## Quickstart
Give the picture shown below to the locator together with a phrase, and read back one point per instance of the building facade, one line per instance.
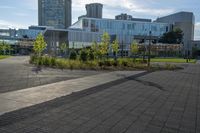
(94, 10)
(21, 40)
(88, 30)
(185, 21)
(55, 13)
(126, 29)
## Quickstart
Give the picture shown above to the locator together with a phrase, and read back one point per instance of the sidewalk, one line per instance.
(16, 100)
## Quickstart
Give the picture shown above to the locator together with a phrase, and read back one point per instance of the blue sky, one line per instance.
(22, 13)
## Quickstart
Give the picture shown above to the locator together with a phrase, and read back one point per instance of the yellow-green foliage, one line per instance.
(95, 49)
(115, 46)
(105, 41)
(4, 47)
(109, 64)
(39, 44)
(134, 48)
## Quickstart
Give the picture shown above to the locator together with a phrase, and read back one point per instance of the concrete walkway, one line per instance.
(16, 100)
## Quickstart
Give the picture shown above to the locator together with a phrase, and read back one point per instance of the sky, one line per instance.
(23, 13)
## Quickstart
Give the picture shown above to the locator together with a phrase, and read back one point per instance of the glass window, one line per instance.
(85, 23)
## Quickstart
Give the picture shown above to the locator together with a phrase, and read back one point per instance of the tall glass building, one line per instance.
(55, 13)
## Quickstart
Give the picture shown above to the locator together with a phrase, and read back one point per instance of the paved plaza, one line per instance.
(16, 74)
(156, 102)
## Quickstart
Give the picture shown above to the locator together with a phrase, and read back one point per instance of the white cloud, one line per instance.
(6, 25)
(129, 5)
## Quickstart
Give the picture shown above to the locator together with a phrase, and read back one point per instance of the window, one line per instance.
(85, 23)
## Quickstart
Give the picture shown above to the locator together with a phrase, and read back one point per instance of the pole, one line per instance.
(149, 53)
(187, 53)
(122, 49)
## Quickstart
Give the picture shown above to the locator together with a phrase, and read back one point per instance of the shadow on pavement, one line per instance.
(20, 115)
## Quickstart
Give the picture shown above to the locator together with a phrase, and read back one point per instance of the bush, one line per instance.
(84, 55)
(122, 62)
(47, 61)
(75, 64)
(91, 55)
(73, 55)
(33, 59)
(109, 64)
(93, 65)
(61, 63)
(53, 62)
(39, 61)
(170, 67)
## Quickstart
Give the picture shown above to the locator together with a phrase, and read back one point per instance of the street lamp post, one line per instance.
(122, 55)
(149, 53)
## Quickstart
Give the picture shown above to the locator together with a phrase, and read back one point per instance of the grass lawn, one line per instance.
(3, 56)
(172, 60)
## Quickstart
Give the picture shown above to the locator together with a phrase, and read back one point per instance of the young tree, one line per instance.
(175, 36)
(1, 48)
(4, 47)
(134, 49)
(9, 48)
(39, 45)
(115, 48)
(105, 41)
(95, 49)
(64, 48)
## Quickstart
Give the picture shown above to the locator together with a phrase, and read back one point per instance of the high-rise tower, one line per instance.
(94, 10)
(55, 13)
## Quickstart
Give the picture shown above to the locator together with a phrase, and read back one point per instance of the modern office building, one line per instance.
(55, 13)
(21, 40)
(125, 16)
(94, 10)
(125, 28)
(87, 30)
(185, 21)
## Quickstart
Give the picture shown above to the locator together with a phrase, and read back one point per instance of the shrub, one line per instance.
(75, 64)
(33, 59)
(84, 55)
(39, 61)
(53, 62)
(47, 61)
(109, 62)
(93, 65)
(170, 66)
(61, 63)
(73, 55)
(91, 55)
(122, 62)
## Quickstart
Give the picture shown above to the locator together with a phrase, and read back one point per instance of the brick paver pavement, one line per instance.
(158, 102)
(16, 74)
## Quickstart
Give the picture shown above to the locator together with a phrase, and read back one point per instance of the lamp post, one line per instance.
(149, 52)
(122, 49)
